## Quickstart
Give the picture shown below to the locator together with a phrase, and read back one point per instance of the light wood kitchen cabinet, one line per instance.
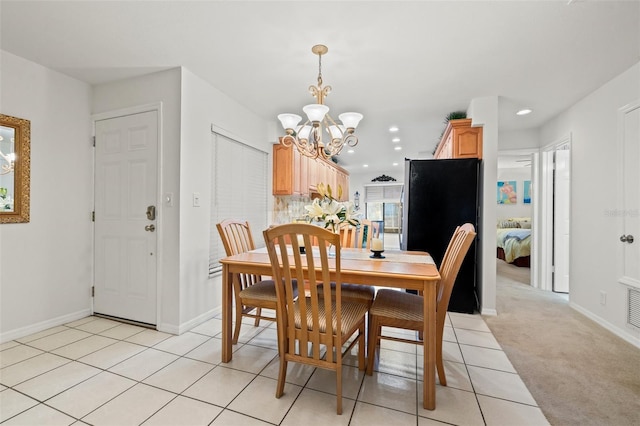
(283, 170)
(460, 140)
(315, 174)
(342, 179)
(304, 173)
(296, 174)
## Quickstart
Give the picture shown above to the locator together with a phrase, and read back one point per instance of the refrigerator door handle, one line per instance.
(400, 230)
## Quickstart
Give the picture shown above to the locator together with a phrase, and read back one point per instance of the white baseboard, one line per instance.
(168, 328)
(490, 312)
(54, 322)
(50, 323)
(612, 328)
(186, 326)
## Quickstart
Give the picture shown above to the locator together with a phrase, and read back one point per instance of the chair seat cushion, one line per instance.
(264, 290)
(398, 304)
(355, 292)
(352, 314)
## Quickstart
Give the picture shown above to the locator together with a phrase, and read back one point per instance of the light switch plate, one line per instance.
(196, 199)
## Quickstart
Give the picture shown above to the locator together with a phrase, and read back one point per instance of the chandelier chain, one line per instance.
(320, 70)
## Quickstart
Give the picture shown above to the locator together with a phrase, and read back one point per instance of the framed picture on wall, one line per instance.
(507, 192)
(526, 198)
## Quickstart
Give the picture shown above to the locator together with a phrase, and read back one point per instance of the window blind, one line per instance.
(385, 193)
(239, 191)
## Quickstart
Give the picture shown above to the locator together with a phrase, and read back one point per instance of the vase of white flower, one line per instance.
(329, 211)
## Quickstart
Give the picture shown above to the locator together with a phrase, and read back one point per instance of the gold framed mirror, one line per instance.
(15, 165)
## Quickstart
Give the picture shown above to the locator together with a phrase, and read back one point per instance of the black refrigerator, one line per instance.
(438, 196)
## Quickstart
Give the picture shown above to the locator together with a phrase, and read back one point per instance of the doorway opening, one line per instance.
(383, 207)
(515, 219)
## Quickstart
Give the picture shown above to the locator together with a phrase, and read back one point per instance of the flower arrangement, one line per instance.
(330, 211)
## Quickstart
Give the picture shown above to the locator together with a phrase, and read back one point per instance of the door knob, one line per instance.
(150, 228)
(626, 238)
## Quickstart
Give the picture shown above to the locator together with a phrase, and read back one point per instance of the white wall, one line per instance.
(593, 125)
(59, 236)
(189, 107)
(160, 87)
(520, 174)
(524, 139)
(202, 106)
(45, 265)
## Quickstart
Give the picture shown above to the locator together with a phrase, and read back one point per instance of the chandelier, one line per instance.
(9, 159)
(307, 137)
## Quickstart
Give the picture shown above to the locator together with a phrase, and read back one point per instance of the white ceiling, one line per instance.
(399, 63)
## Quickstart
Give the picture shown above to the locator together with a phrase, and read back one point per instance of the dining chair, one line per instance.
(393, 308)
(357, 236)
(313, 330)
(349, 237)
(250, 291)
(365, 233)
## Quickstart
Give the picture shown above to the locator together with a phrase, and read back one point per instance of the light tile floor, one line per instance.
(101, 372)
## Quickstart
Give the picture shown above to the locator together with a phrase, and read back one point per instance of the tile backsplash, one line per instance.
(287, 208)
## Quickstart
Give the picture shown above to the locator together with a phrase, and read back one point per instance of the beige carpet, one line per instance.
(577, 371)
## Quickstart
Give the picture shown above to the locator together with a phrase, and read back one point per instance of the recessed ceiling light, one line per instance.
(395, 140)
(350, 151)
(395, 164)
(524, 111)
(397, 148)
(365, 165)
(393, 129)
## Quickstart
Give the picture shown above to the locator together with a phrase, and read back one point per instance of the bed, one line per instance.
(513, 239)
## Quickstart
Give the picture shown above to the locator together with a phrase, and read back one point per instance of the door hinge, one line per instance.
(93, 216)
(93, 141)
(93, 291)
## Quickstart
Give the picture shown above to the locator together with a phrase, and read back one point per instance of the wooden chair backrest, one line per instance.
(303, 336)
(456, 251)
(356, 236)
(348, 235)
(236, 238)
(365, 234)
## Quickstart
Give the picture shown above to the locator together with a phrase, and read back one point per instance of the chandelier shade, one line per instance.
(336, 132)
(304, 132)
(315, 112)
(308, 137)
(289, 121)
(350, 120)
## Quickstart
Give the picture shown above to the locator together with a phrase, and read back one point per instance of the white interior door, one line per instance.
(630, 202)
(544, 254)
(126, 184)
(552, 209)
(561, 219)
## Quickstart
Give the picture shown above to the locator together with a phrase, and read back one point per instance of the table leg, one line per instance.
(227, 280)
(429, 342)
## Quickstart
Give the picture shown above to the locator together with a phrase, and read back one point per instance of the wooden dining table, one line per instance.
(400, 269)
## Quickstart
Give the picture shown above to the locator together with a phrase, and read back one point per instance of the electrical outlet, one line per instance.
(603, 297)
